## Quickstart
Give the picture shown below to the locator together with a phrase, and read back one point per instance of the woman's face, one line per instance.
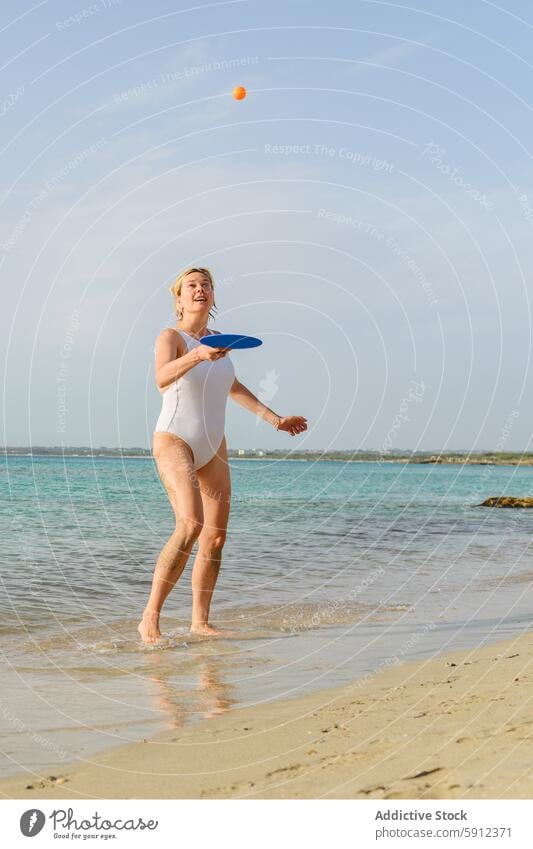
(197, 296)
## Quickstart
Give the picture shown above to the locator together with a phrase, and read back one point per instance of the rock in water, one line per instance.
(506, 501)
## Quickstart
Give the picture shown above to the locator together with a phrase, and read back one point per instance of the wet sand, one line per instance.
(458, 725)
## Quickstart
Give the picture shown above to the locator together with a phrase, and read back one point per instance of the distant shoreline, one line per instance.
(429, 458)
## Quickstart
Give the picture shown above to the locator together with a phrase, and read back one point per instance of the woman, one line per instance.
(189, 447)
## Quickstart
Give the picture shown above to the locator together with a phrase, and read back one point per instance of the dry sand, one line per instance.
(458, 725)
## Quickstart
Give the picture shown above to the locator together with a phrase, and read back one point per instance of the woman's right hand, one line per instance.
(206, 352)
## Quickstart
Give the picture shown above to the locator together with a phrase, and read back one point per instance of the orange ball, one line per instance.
(239, 92)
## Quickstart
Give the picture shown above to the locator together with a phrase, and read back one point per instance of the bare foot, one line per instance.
(148, 627)
(202, 629)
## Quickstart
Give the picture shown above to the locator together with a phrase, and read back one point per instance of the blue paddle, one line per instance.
(230, 340)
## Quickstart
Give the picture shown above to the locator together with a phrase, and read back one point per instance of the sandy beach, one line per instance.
(457, 725)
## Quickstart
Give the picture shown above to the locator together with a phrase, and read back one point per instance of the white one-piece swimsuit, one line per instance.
(194, 406)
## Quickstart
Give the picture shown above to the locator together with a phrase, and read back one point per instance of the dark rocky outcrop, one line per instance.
(506, 501)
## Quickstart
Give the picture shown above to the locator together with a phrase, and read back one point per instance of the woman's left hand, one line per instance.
(292, 424)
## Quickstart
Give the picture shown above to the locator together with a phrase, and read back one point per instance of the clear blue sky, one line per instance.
(367, 210)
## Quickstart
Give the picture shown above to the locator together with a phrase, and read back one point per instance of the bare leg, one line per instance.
(174, 464)
(204, 578)
(215, 489)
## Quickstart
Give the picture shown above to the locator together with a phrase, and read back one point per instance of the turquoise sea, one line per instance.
(331, 571)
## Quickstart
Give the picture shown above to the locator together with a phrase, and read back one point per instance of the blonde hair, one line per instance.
(175, 289)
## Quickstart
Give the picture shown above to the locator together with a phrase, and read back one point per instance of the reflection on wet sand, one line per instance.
(208, 696)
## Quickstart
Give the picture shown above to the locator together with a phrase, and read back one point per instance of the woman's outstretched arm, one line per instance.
(242, 395)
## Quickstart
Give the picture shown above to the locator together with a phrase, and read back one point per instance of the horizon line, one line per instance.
(395, 451)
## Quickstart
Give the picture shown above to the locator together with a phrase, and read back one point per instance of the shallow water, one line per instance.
(330, 571)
